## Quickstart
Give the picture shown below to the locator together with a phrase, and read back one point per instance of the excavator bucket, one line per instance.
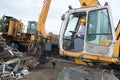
(42, 18)
(88, 3)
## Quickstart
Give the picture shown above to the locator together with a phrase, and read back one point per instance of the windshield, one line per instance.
(71, 25)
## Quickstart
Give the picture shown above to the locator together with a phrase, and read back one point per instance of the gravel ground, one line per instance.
(47, 72)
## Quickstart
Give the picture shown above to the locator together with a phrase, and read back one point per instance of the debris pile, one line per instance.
(12, 62)
(85, 73)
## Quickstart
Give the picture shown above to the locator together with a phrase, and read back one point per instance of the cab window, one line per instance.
(98, 27)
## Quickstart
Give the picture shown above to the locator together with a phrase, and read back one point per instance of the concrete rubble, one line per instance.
(85, 73)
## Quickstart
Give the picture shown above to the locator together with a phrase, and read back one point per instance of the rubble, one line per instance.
(15, 65)
(11, 63)
(85, 73)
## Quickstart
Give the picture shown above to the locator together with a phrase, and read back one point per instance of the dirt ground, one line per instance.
(47, 72)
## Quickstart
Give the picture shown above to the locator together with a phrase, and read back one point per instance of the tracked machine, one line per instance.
(101, 43)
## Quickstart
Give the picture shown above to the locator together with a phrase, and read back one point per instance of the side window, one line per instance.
(71, 25)
(99, 29)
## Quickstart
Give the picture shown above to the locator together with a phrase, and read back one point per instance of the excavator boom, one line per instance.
(117, 31)
(42, 18)
(88, 3)
(117, 43)
(44, 13)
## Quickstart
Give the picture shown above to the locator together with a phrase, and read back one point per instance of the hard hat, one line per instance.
(83, 20)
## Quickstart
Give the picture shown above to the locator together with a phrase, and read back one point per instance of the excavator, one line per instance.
(11, 26)
(100, 46)
(101, 42)
(12, 30)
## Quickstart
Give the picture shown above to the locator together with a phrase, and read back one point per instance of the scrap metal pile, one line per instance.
(12, 62)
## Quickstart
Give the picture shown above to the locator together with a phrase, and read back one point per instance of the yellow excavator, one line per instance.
(101, 41)
(12, 31)
(11, 26)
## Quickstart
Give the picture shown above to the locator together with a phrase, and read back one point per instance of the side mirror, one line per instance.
(63, 17)
(70, 7)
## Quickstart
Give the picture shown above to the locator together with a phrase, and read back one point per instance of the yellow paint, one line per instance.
(42, 18)
(105, 42)
(72, 54)
(89, 3)
(116, 49)
(117, 32)
(11, 28)
(19, 27)
(78, 61)
(32, 37)
(100, 58)
(89, 56)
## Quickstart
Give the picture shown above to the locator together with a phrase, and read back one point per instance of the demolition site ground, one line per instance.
(47, 72)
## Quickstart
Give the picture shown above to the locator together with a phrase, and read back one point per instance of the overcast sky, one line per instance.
(29, 10)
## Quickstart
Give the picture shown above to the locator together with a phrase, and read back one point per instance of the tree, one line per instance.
(50, 33)
(1, 23)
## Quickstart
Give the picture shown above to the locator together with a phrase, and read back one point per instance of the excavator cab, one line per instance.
(99, 35)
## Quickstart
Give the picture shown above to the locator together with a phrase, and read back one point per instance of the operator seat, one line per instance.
(78, 44)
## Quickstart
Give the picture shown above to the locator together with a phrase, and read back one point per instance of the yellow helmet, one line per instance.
(83, 20)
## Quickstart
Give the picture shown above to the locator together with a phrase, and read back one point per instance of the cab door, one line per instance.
(70, 26)
(100, 33)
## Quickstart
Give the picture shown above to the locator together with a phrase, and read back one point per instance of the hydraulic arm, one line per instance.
(42, 18)
(44, 13)
(117, 31)
(88, 3)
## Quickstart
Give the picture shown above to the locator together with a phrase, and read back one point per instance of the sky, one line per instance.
(29, 10)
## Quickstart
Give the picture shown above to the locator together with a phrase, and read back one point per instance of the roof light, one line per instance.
(106, 4)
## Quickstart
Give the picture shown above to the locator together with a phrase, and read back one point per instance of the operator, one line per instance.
(80, 33)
